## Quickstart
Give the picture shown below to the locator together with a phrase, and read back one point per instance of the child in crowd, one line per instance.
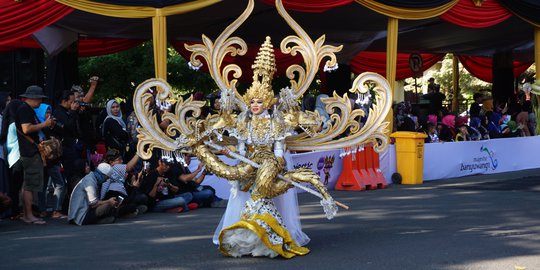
(432, 136)
(462, 134)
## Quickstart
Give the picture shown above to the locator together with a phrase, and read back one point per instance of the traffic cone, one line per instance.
(363, 161)
(374, 168)
(350, 178)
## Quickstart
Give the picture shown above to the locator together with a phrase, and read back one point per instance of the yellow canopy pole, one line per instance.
(455, 83)
(537, 48)
(159, 40)
(391, 62)
(536, 85)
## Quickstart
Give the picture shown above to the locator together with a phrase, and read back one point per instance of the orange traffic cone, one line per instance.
(350, 178)
(374, 167)
(363, 159)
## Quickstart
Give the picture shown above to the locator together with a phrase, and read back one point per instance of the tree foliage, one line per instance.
(468, 84)
(123, 71)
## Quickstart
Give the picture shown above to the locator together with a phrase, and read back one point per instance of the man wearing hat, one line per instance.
(84, 205)
(28, 131)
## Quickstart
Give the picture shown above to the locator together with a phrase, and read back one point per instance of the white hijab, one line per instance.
(110, 114)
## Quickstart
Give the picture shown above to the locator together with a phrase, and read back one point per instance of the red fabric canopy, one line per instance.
(310, 5)
(26, 42)
(282, 60)
(376, 62)
(103, 46)
(87, 46)
(466, 14)
(21, 19)
(481, 67)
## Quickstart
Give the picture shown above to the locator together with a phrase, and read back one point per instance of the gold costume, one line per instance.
(265, 127)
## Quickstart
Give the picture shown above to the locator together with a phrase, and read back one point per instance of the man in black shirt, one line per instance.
(162, 187)
(435, 97)
(28, 128)
(474, 110)
(67, 131)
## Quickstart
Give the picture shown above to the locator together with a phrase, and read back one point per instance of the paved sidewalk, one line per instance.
(488, 222)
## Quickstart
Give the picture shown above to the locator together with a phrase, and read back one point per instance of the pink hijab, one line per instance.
(432, 119)
(449, 120)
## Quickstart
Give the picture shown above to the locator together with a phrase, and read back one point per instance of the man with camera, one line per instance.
(28, 130)
(84, 118)
(67, 131)
(161, 187)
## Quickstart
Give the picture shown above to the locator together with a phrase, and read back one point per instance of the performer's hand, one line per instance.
(201, 165)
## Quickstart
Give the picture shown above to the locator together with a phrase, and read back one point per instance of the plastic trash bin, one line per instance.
(410, 156)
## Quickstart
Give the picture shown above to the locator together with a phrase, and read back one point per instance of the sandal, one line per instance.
(17, 217)
(34, 222)
(58, 215)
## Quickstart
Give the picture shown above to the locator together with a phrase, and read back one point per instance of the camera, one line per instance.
(84, 104)
(166, 180)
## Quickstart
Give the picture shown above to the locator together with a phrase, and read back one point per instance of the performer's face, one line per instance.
(256, 106)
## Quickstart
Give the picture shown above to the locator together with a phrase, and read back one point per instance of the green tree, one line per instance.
(123, 71)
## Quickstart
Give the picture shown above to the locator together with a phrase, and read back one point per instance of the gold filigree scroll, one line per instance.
(150, 134)
(214, 53)
(346, 120)
(312, 53)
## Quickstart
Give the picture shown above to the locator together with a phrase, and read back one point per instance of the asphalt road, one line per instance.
(478, 223)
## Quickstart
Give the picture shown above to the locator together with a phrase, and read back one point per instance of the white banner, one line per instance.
(456, 159)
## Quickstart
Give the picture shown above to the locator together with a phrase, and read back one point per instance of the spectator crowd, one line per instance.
(483, 121)
(98, 177)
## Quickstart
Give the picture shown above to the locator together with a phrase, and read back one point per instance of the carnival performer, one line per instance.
(261, 230)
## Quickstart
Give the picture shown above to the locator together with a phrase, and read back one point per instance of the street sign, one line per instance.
(416, 63)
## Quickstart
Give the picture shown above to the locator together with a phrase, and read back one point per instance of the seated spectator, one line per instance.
(161, 187)
(478, 131)
(85, 206)
(203, 195)
(448, 132)
(321, 108)
(404, 120)
(463, 134)
(503, 122)
(511, 130)
(492, 129)
(115, 186)
(432, 135)
(522, 120)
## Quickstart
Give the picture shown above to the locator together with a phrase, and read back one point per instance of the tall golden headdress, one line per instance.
(264, 68)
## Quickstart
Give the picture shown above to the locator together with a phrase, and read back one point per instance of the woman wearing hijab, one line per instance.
(448, 131)
(114, 128)
(57, 181)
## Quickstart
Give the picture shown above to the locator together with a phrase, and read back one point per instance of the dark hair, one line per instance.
(308, 102)
(477, 95)
(3, 99)
(111, 155)
(66, 95)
